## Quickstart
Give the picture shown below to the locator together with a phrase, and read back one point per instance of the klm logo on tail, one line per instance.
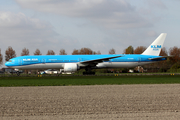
(156, 47)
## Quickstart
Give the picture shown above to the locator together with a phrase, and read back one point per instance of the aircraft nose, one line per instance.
(7, 64)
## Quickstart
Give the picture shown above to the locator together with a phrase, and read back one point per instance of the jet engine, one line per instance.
(70, 67)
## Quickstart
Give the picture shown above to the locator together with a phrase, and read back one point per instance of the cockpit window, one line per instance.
(10, 60)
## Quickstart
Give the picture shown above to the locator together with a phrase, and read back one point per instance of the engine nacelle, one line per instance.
(71, 67)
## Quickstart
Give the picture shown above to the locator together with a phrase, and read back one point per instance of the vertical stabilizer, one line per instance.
(155, 47)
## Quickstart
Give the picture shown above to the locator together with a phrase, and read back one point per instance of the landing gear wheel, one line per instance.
(18, 73)
(88, 73)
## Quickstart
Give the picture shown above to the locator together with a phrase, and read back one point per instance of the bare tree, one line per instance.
(62, 52)
(176, 52)
(163, 52)
(129, 50)
(98, 52)
(1, 58)
(84, 51)
(25, 52)
(10, 53)
(112, 51)
(139, 50)
(37, 52)
(50, 52)
(75, 52)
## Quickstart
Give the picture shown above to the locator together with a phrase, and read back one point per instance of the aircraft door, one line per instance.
(139, 60)
(110, 61)
(43, 60)
(20, 61)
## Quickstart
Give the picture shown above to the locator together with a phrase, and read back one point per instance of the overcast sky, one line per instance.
(97, 24)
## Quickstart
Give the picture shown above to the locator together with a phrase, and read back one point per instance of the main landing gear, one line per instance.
(88, 72)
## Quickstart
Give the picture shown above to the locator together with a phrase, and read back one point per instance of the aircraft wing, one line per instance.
(160, 57)
(99, 60)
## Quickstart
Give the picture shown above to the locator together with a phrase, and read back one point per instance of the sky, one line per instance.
(96, 24)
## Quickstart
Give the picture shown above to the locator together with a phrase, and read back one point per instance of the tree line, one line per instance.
(10, 52)
(175, 51)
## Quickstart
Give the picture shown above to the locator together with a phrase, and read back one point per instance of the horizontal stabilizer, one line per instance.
(161, 57)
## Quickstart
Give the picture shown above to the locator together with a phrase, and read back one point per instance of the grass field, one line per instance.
(87, 80)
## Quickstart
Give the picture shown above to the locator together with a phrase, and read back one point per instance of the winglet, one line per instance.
(155, 47)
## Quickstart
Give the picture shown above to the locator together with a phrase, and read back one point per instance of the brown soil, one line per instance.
(106, 102)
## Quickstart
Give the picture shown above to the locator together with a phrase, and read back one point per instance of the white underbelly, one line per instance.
(121, 64)
(41, 66)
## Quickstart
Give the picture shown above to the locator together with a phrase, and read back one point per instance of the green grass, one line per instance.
(87, 80)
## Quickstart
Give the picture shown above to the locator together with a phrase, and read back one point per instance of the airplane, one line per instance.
(73, 63)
